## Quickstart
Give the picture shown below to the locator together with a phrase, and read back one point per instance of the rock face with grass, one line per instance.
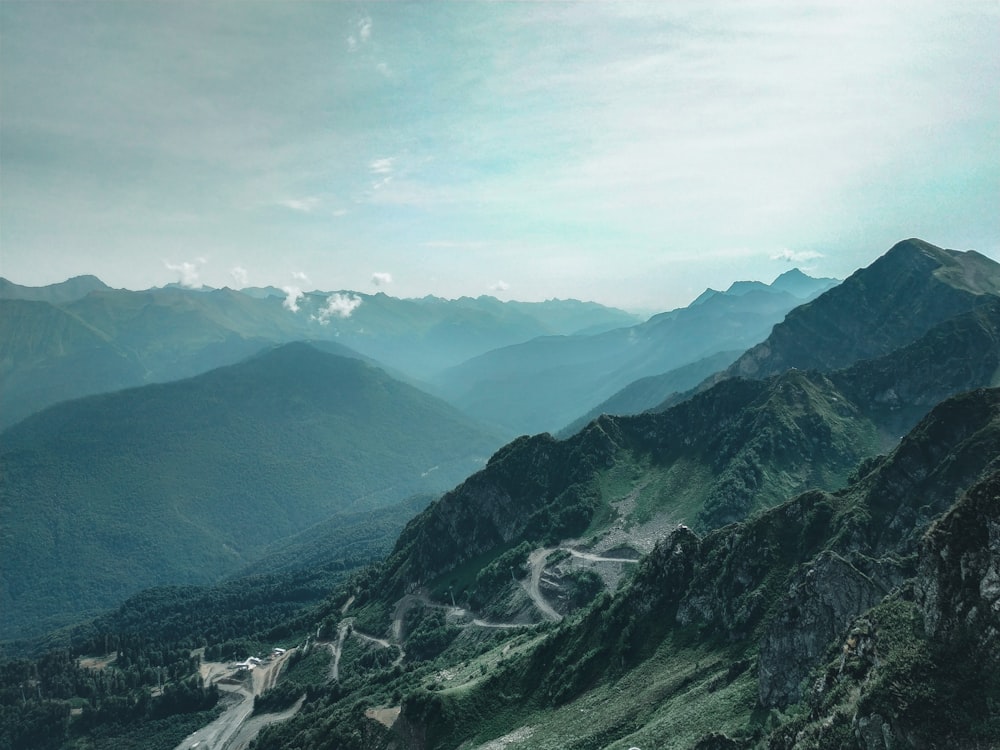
(741, 446)
(802, 586)
(958, 581)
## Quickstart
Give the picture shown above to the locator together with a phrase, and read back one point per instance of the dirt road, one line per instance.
(338, 648)
(537, 562)
(227, 732)
(598, 558)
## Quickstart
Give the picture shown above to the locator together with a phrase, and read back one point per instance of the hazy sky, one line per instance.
(632, 153)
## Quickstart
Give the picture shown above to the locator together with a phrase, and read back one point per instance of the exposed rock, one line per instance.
(823, 599)
(958, 583)
(873, 732)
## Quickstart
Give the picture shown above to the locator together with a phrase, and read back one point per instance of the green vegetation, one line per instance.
(188, 482)
(826, 597)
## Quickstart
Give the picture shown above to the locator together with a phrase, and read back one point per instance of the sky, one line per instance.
(628, 153)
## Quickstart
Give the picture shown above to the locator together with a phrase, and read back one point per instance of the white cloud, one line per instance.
(240, 275)
(796, 256)
(380, 278)
(302, 205)
(361, 34)
(300, 276)
(292, 296)
(187, 271)
(337, 305)
(500, 286)
(382, 166)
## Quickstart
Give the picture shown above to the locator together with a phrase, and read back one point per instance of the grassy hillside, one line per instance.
(824, 622)
(186, 482)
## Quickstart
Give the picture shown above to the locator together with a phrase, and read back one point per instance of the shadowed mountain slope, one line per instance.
(188, 481)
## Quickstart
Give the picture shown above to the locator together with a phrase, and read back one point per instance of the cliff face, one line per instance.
(823, 598)
(921, 669)
(958, 583)
(874, 538)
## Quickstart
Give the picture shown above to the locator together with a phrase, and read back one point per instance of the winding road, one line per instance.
(536, 560)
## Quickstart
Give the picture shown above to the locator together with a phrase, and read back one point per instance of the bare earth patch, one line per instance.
(384, 716)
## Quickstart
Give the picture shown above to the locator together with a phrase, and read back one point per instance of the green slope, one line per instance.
(188, 481)
(716, 640)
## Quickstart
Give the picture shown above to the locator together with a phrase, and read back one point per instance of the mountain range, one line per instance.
(80, 337)
(546, 383)
(797, 552)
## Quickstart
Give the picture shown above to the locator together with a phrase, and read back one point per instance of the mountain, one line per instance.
(189, 481)
(63, 292)
(831, 621)
(793, 282)
(48, 354)
(803, 560)
(58, 341)
(892, 302)
(650, 392)
(544, 384)
(800, 285)
(735, 449)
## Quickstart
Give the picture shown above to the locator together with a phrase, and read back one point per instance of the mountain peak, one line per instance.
(889, 304)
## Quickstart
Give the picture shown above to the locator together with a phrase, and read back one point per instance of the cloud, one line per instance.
(188, 271)
(337, 305)
(302, 205)
(292, 296)
(382, 166)
(380, 278)
(499, 286)
(240, 275)
(300, 276)
(382, 169)
(796, 256)
(361, 34)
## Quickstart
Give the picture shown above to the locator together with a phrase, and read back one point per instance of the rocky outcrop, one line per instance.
(824, 597)
(958, 583)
